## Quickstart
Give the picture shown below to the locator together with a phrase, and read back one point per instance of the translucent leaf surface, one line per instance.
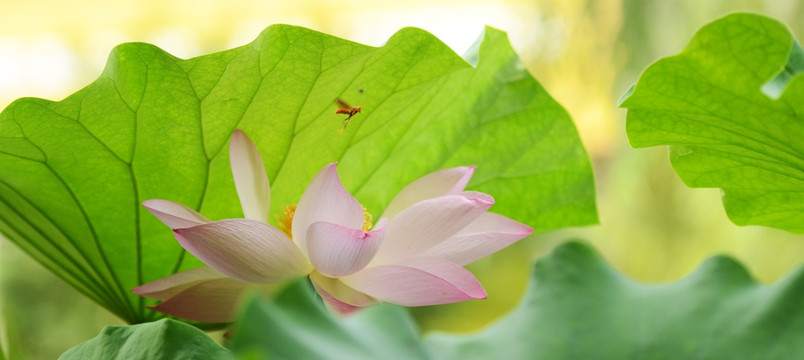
(74, 172)
(576, 307)
(731, 106)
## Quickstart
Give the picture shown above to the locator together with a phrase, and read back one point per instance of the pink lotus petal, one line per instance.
(486, 235)
(427, 223)
(247, 250)
(338, 296)
(174, 215)
(473, 194)
(325, 199)
(166, 287)
(418, 282)
(213, 301)
(442, 182)
(337, 250)
(250, 180)
(333, 304)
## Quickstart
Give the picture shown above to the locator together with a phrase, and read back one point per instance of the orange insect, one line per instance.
(344, 108)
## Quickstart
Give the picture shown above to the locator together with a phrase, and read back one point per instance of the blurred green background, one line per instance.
(585, 53)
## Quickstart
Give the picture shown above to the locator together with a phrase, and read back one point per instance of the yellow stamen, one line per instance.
(285, 221)
(366, 220)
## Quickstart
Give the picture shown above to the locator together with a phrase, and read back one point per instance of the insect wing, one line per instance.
(342, 104)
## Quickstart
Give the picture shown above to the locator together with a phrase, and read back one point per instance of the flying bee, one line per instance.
(345, 108)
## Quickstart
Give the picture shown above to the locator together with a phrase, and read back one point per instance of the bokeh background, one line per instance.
(586, 53)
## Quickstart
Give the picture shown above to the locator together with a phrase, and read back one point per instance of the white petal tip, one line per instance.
(381, 224)
(483, 199)
(482, 295)
(469, 170)
(174, 215)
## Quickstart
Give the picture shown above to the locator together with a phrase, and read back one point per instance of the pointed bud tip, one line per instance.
(482, 199)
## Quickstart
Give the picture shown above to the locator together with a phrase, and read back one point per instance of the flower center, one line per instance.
(366, 220)
(286, 220)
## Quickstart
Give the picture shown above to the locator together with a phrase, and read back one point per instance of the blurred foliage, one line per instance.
(296, 325)
(575, 307)
(163, 339)
(42, 315)
(585, 53)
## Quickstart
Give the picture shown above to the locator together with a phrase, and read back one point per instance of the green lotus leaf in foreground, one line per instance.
(163, 339)
(731, 107)
(74, 172)
(576, 307)
(296, 325)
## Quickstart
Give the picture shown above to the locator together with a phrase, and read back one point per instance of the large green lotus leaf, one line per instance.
(164, 339)
(576, 307)
(731, 105)
(74, 172)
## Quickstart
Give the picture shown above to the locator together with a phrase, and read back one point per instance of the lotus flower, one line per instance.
(413, 256)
